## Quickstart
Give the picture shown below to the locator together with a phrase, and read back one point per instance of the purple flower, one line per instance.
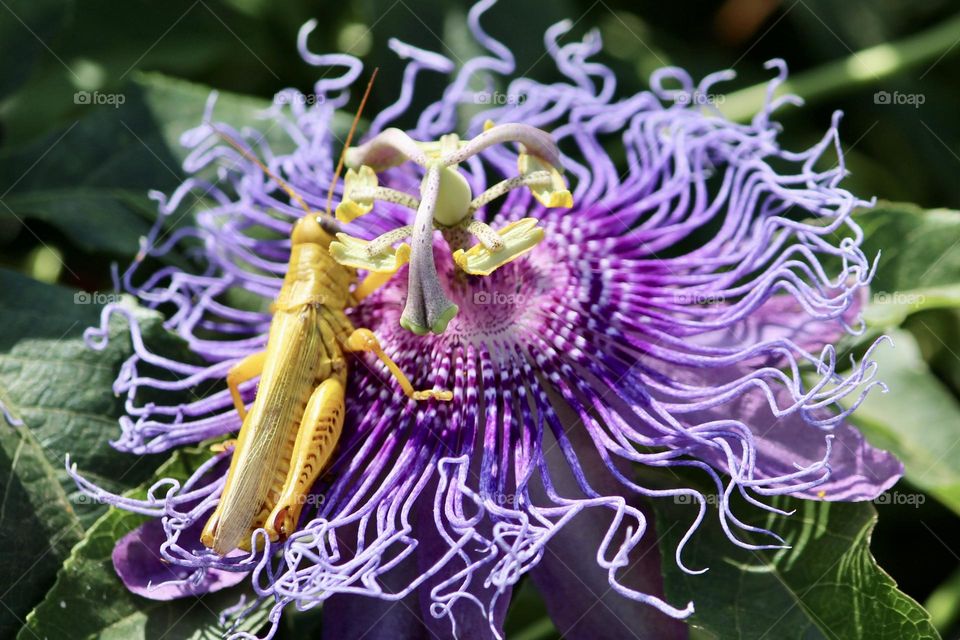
(682, 314)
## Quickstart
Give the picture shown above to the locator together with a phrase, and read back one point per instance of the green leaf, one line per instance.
(88, 600)
(90, 180)
(827, 585)
(527, 617)
(42, 358)
(25, 30)
(944, 603)
(37, 524)
(920, 260)
(178, 105)
(916, 420)
(76, 211)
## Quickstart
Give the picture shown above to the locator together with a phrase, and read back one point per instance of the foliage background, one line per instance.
(74, 177)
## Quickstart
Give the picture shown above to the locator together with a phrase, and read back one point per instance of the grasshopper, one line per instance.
(291, 430)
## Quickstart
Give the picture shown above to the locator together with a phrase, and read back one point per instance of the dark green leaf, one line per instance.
(827, 586)
(920, 260)
(90, 180)
(62, 388)
(26, 26)
(37, 524)
(916, 420)
(88, 600)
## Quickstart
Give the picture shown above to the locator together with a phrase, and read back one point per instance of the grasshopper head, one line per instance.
(307, 230)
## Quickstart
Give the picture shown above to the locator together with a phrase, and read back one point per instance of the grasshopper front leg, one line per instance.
(246, 369)
(365, 340)
(316, 440)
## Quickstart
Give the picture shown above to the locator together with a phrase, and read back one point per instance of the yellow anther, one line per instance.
(518, 238)
(554, 194)
(354, 252)
(354, 205)
(225, 445)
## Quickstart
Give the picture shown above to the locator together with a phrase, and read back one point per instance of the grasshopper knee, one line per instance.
(283, 521)
(362, 340)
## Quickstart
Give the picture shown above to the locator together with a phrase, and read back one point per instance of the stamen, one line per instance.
(535, 179)
(361, 188)
(485, 234)
(386, 194)
(354, 252)
(354, 204)
(446, 205)
(383, 242)
(554, 193)
(516, 239)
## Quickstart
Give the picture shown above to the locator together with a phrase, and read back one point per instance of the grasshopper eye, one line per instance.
(307, 230)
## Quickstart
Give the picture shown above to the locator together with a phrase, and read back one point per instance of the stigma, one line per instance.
(446, 204)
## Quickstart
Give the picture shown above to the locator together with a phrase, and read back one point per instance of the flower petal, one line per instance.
(780, 318)
(857, 470)
(349, 617)
(580, 598)
(137, 561)
(577, 593)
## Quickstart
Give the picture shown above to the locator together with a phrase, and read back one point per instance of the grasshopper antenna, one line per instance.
(353, 128)
(327, 221)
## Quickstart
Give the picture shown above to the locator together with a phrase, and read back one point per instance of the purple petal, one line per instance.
(857, 470)
(137, 561)
(578, 595)
(347, 616)
(782, 318)
(350, 617)
(464, 606)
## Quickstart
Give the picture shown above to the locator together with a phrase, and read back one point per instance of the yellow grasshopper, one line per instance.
(292, 428)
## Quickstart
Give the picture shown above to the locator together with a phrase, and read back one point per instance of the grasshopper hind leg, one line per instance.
(316, 440)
